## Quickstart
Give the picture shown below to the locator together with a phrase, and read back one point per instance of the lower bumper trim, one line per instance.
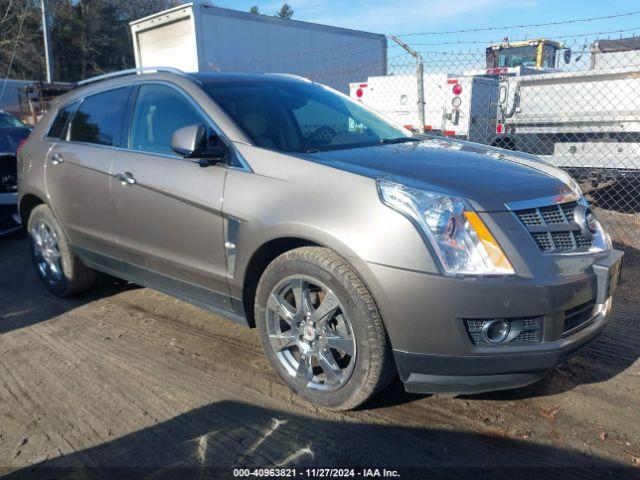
(470, 384)
(424, 373)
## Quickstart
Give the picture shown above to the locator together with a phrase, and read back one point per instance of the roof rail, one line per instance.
(289, 75)
(131, 71)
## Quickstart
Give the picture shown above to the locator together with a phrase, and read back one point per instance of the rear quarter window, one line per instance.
(58, 128)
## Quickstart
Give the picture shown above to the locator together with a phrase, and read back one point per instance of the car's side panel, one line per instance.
(170, 221)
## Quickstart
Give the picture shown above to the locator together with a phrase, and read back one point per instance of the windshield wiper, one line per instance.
(348, 146)
(386, 141)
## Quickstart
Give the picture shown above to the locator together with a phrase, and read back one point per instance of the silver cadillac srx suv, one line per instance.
(359, 250)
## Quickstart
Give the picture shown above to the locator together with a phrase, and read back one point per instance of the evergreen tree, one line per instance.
(285, 11)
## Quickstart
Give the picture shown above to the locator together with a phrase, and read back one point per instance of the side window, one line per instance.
(159, 111)
(99, 118)
(58, 128)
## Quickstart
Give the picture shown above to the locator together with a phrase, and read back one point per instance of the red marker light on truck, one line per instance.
(457, 89)
(359, 93)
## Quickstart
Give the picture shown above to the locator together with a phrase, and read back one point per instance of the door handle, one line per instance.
(126, 178)
(56, 159)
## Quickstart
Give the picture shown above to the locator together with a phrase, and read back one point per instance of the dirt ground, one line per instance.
(127, 377)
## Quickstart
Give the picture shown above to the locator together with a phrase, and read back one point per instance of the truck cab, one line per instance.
(537, 54)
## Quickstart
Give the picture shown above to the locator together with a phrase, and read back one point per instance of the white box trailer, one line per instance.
(396, 98)
(470, 107)
(458, 106)
(199, 37)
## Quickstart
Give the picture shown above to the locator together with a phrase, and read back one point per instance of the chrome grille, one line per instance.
(563, 241)
(552, 214)
(545, 224)
(530, 217)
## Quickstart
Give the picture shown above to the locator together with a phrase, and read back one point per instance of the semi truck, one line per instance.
(197, 37)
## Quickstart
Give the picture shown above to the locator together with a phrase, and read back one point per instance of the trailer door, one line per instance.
(170, 44)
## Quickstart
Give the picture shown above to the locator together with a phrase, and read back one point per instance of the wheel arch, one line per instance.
(261, 258)
(28, 202)
(295, 236)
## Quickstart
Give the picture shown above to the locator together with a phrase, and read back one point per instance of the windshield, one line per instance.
(7, 120)
(517, 56)
(301, 117)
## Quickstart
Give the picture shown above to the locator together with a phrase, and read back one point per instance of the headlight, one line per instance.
(459, 237)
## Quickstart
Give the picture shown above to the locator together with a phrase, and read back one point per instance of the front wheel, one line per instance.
(321, 329)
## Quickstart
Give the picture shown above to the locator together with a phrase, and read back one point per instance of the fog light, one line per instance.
(504, 331)
(496, 331)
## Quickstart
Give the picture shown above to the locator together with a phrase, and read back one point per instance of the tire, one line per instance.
(59, 268)
(342, 328)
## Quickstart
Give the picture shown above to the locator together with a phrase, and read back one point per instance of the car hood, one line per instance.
(488, 177)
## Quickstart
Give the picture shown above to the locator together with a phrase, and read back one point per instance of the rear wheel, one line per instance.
(62, 272)
(321, 329)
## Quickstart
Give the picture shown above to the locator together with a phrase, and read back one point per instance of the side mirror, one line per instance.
(567, 55)
(192, 143)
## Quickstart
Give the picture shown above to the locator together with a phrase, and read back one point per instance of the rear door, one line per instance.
(78, 169)
(168, 209)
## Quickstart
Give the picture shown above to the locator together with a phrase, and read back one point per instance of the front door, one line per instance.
(168, 209)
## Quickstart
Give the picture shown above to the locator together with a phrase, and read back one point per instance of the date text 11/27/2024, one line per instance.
(316, 473)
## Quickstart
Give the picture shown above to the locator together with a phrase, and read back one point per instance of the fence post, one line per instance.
(419, 79)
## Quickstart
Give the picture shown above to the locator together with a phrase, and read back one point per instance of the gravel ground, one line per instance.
(128, 377)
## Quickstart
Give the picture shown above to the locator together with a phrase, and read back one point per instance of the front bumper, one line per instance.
(425, 318)
(9, 218)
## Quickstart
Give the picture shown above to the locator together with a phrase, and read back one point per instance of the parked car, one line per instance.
(12, 132)
(358, 250)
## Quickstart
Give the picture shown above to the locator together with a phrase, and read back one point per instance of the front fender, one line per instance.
(320, 204)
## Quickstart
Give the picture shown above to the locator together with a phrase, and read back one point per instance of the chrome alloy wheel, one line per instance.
(311, 333)
(46, 253)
